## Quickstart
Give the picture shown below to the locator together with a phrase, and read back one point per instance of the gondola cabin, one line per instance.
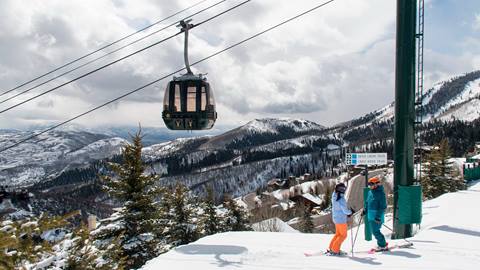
(189, 104)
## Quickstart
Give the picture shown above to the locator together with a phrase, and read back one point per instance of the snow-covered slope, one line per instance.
(272, 125)
(465, 106)
(448, 239)
(282, 128)
(275, 129)
(243, 159)
(455, 99)
(50, 154)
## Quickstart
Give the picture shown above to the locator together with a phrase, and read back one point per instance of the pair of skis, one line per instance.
(395, 246)
(321, 253)
(371, 251)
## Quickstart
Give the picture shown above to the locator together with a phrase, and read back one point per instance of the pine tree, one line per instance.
(236, 218)
(326, 202)
(178, 217)
(440, 174)
(210, 221)
(306, 220)
(134, 224)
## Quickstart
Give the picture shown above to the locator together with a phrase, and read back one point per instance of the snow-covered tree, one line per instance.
(32, 241)
(83, 255)
(306, 220)
(134, 223)
(209, 220)
(179, 217)
(440, 176)
(236, 217)
(327, 202)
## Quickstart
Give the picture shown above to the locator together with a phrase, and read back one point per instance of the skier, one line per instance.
(376, 205)
(340, 213)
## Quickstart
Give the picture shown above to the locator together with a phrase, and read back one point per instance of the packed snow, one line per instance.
(448, 239)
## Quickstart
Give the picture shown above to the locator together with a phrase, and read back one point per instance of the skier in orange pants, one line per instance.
(340, 213)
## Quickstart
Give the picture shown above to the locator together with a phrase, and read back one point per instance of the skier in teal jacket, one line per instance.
(376, 205)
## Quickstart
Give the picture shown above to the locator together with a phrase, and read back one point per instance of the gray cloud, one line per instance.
(52, 33)
(294, 107)
(46, 103)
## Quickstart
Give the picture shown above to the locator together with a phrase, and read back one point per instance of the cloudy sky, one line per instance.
(330, 66)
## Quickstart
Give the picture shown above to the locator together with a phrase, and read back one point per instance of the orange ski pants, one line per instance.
(340, 236)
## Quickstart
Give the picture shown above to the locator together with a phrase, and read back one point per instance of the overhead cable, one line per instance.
(118, 60)
(166, 76)
(101, 48)
(109, 53)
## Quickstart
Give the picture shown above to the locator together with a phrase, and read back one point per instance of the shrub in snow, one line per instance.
(29, 242)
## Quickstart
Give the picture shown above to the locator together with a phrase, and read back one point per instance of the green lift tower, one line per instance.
(407, 192)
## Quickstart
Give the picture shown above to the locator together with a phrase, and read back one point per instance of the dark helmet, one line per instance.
(340, 188)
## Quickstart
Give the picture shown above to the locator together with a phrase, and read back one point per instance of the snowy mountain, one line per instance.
(446, 240)
(153, 135)
(256, 132)
(50, 154)
(457, 98)
(243, 159)
(449, 108)
(260, 131)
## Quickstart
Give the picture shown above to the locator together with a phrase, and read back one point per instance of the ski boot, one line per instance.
(380, 249)
(332, 253)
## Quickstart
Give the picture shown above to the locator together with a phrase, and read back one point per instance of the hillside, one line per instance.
(51, 154)
(455, 99)
(450, 108)
(243, 159)
(447, 240)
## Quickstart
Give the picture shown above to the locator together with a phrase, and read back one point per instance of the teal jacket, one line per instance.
(376, 204)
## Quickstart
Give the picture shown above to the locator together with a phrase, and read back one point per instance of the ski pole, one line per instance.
(351, 228)
(356, 234)
(351, 234)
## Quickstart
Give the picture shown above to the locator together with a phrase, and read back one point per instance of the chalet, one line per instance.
(267, 199)
(276, 184)
(307, 199)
